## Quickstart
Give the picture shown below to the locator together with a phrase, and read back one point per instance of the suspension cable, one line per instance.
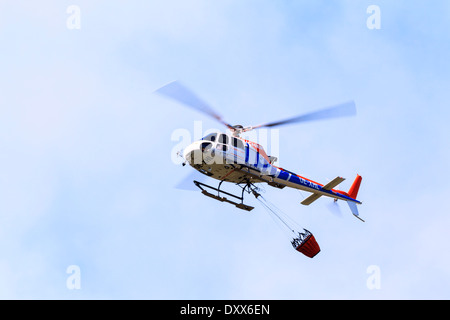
(264, 202)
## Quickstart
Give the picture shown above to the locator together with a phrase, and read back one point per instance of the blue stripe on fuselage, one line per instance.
(294, 179)
(247, 153)
(283, 175)
(304, 182)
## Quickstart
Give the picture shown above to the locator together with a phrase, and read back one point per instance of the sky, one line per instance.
(87, 177)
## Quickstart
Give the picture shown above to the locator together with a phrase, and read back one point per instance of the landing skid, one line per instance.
(248, 187)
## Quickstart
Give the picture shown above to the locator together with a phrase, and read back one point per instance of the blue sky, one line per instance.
(87, 177)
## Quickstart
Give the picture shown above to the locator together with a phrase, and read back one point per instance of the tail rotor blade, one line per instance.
(335, 208)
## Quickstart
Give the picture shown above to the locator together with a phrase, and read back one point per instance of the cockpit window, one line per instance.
(223, 139)
(238, 143)
(210, 137)
(206, 146)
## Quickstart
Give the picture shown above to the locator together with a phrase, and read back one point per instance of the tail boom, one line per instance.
(289, 179)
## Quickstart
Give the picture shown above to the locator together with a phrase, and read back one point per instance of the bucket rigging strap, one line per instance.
(266, 205)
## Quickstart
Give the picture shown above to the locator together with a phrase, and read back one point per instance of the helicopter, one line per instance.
(233, 159)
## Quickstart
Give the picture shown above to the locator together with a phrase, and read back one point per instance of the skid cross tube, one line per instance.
(199, 184)
(240, 205)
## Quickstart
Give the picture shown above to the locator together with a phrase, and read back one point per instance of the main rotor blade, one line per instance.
(176, 91)
(340, 110)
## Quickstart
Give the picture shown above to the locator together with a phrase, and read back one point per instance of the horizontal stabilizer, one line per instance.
(311, 199)
(330, 185)
(333, 183)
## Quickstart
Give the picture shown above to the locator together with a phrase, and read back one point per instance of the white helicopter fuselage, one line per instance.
(222, 157)
(236, 160)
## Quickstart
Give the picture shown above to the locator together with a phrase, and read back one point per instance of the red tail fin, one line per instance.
(353, 192)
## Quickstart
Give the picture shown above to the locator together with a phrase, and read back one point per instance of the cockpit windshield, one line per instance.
(211, 137)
